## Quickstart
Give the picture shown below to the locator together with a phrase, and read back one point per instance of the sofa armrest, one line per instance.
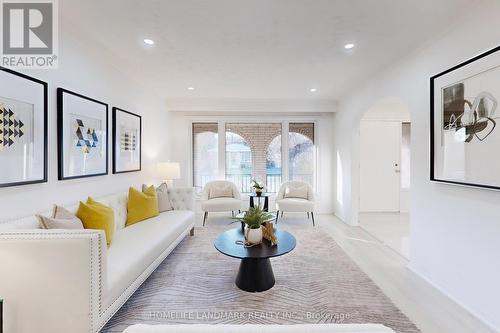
(52, 280)
(182, 198)
(310, 195)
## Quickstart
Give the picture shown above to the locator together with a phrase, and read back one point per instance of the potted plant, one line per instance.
(253, 220)
(258, 187)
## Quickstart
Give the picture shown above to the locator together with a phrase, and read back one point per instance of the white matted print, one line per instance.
(83, 133)
(465, 133)
(23, 117)
(126, 141)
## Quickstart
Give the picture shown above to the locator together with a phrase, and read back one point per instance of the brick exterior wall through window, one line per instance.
(257, 135)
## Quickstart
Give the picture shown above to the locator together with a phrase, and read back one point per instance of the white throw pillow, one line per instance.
(61, 219)
(220, 192)
(296, 192)
(164, 203)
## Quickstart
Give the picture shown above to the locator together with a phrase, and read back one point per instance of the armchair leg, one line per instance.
(308, 215)
(282, 213)
(205, 218)
(312, 215)
(191, 232)
(277, 215)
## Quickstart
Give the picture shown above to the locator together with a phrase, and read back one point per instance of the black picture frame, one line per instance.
(115, 111)
(60, 134)
(44, 86)
(432, 175)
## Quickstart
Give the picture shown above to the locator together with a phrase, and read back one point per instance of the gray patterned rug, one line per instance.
(315, 283)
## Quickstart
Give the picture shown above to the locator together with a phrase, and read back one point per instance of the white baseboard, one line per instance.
(471, 311)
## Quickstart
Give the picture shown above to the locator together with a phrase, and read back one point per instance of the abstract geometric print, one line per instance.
(86, 137)
(11, 129)
(128, 139)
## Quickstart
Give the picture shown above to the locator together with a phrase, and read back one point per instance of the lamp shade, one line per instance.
(169, 170)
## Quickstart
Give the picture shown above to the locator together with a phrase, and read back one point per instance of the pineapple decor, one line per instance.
(268, 233)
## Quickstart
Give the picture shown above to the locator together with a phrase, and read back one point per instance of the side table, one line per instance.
(264, 196)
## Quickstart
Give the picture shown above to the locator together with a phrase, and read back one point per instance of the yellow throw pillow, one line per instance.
(95, 215)
(141, 205)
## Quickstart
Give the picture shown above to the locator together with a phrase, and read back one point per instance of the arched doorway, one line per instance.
(384, 173)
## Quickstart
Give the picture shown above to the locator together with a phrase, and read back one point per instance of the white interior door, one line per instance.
(380, 155)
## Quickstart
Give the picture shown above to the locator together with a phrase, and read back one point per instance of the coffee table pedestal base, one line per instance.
(255, 275)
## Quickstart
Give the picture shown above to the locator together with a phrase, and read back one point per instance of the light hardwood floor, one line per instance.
(391, 229)
(428, 308)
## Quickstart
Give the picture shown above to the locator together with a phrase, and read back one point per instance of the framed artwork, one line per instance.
(127, 141)
(82, 134)
(465, 138)
(23, 129)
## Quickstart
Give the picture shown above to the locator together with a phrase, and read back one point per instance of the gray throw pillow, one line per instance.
(220, 192)
(61, 219)
(164, 203)
(299, 192)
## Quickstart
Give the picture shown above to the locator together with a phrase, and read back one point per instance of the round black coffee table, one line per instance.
(255, 273)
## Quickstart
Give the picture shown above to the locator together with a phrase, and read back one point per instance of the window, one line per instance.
(205, 153)
(301, 152)
(253, 151)
(273, 165)
(238, 161)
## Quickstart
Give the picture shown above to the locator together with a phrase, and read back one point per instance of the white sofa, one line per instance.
(60, 281)
(302, 328)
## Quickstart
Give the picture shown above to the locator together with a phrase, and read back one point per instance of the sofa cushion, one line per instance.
(141, 205)
(295, 205)
(61, 218)
(137, 246)
(221, 205)
(221, 191)
(118, 202)
(164, 203)
(95, 215)
(296, 192)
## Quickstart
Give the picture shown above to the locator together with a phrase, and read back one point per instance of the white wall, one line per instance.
(180, 139)
(87, 68)
(455, 231)
(390, 109)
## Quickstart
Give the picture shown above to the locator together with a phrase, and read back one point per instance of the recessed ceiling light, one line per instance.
(190, 88)
(313, 89)
(149, 41)
(349, 46)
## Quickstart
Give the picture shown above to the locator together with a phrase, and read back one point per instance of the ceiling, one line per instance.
(259, 49)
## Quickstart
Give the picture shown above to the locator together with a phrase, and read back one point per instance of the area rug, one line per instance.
(315, 283)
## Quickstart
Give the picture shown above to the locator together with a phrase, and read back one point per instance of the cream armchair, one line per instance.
(220, 196)
(297, 197)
